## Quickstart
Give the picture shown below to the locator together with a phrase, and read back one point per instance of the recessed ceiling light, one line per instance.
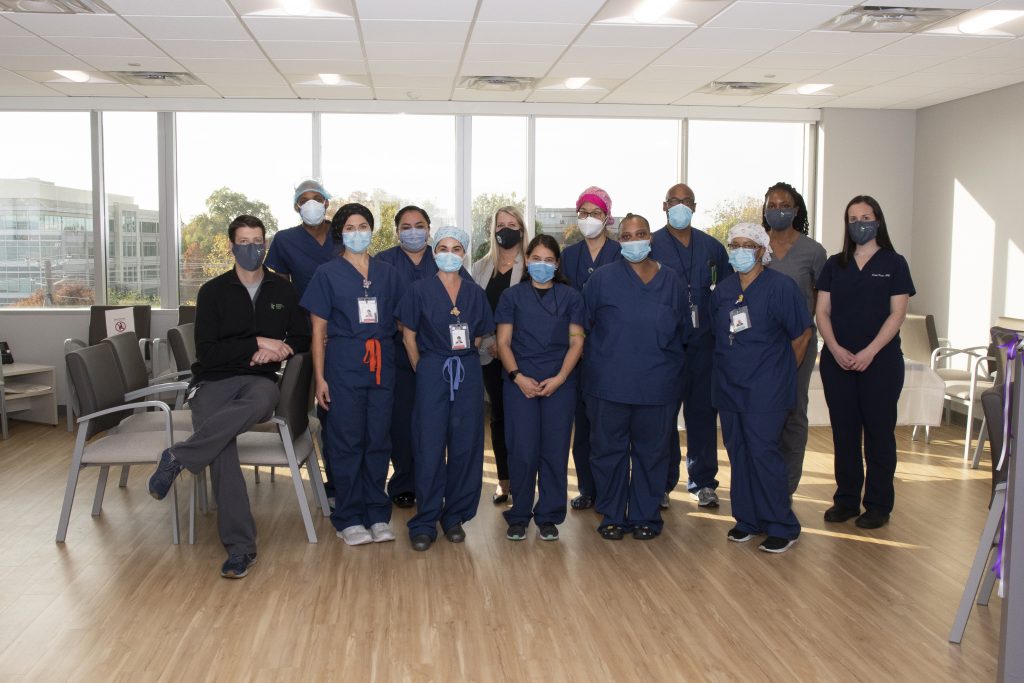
(652, 10)
(72, 75)
(56, 6)
(985, 20)
(811, 88)
(297, 8)
(499, 83)
(883, 19)
(575, 83)
(330, 79)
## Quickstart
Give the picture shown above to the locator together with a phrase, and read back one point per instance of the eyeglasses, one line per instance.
(596, 213)
(674, 201)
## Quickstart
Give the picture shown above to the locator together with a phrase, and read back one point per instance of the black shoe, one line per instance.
(547, 531)
(582, 502)
(404, 500)
(421, 542)
(776, 544)
(456, 534)
(872, 520)
(837, 513)
(167, 470)
(237, 566)
(644, 533)
(499, 498)
(516, 532)
(737, 536)
(611, 532)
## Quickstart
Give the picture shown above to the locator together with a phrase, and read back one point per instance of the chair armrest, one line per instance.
(155, 389)
(131, 406)
(945, 353)
(73, 343)
(171, 376)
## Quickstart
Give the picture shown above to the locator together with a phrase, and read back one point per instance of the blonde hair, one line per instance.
(518, 215)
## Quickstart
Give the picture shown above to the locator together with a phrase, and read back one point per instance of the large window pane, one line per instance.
(386, 161)
(132, 185)
(633, 160)
(46, 248)
(499, 172)
(230, 164)
(731, 164)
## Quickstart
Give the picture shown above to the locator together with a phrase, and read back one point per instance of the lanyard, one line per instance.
(686, 270)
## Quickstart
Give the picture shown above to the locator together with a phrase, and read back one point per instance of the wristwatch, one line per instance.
(512, 375)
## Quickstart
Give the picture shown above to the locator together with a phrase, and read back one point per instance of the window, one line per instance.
(150, 249)
(230, 164)
(499, 172)
(731, 164)
(130, 249)
(45, 209)
(386, 161)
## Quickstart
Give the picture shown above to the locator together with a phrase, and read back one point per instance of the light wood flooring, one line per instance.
(119, 602)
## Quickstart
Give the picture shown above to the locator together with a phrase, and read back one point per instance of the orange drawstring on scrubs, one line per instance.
(373, 357)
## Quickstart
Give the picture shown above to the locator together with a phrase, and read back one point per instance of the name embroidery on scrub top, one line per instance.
(367, 305)
(739, 319)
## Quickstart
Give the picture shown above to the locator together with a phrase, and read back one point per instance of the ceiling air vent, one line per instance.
(879, 19)
(167, 78)
(504, 83)
(739, 88)
(55, 6)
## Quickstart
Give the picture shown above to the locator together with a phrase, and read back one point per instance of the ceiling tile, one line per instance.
(947, 95)
(630, 97)
(750, 73)
(411, 82)
(182, 8)
(791, 101)
(637, 55)
(91, 25)
(949, 46)
(26, 45)
(191, 28)
(944, 4)
(291, 49)
(683, 56)
(853, 77)
(94, 89)
(582, 96)
(470, 95)
(770, 15)
(256, 91)
(844, 42)
(320, 66)
(414, 31)
(997, 80)
(211, 49)
(935, 79)
(976, 64)
(107, 63)
(400, 67)
(568, 11)
(619, 12)
(500, 68)
(513, 52)
(592, 70)
(254, 66)
(9, 28)
(41, 62)
(183, 91)
(737, 39)
(633, 36)
(303, 28)
(449, 10)
(670, 74)
(798, 60)
(441, 51)
(413, 94)
(701, 99)
(1006, 48)
(892, 63)
(522, 32)
(312, 92)
(240, 78)
(26, 89)
(326, 9)
(82, 46)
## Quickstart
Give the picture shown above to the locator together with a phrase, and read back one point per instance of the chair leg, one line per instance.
(300, 492)
(101, 488)
(913, 433)
(192, 508)
(69, 491)
(123, 481)
(256, 473)
(273, 476)
(969, 431)
(927, 434)
(981, 444)
(175, 522)
(317, 482)
(974, 578)
(985, 594)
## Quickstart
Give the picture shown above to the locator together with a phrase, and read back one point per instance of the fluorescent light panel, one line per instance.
(72, 75)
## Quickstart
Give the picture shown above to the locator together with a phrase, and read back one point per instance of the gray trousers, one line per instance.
(793, 441)
(221, 410)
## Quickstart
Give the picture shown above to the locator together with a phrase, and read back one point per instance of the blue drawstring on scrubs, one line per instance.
(454, 373)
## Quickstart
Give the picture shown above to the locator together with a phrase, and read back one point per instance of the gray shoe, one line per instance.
(707, 498)
(665, 502)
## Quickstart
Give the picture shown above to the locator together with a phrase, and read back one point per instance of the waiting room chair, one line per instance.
(182, 340)
(100, 389)
(186, 315)
(918, 339)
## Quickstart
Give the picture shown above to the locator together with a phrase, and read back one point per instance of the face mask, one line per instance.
(743, 259)
(590, 226)
(779, 219)
(249, 256)
(312, 212)
(508, 237)
(413, 239)
(540, 271)
(358, 241)
(863, 232)
(636, 251)
(679, 216)
(448, 262)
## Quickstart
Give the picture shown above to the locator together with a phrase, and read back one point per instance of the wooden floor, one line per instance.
(118, 601)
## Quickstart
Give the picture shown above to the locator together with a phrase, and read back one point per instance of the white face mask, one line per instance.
(590, 226)
(313, 212)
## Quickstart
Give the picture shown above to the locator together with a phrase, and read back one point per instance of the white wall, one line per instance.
(969, 213)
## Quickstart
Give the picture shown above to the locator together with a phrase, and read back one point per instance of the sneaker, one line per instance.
(872, 520)
(776, 544)
(837, 513)
(456, 534)
(330, 502)
(516, 532)
(707, 498)
(665, 502)
(547, 531)
(381, 532)
(421, 542)
(357, 534)
(404, 500)
(644, 533)
(737, 536)
(611, 532)
(167, 470)
(237, 566)
(582, 502)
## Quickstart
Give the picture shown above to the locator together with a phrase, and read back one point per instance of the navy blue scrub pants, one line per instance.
(492, 373)
(629, 458)
(448, 437)
(863, 405)
(403, 479)
(700, 419)
(759, 489)
(581, 446)
(793, 442)
(537, 431)
(325, 445)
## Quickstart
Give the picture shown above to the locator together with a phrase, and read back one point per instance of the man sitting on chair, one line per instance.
(248, 320)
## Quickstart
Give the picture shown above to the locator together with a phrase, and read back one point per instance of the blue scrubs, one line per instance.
(448, 415)
(631, 370)
(361, 384)
(578, 266)
(296, 253)
(754, 389)
(700, 265)
(862, 405)
(538, 429)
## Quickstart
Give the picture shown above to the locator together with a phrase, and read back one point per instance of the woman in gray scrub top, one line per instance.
(801, 258)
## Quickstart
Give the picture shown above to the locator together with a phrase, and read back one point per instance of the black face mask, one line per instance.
(508, 237)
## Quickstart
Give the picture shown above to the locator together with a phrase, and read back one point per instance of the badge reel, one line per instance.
(460, 336)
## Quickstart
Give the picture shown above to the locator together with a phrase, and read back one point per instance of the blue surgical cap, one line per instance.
(460, 235)
(310, 185)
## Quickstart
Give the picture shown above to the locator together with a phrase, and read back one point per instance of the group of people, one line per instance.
(598, 347)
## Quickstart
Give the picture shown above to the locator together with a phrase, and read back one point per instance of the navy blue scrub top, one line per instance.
(702, 264)
(577, 266)
(540, 325)
(756, 372)
(296, 253)
(634, 351)
(861, 298)
(427, 310)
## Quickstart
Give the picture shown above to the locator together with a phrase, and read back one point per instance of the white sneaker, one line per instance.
(355, 535)
(707, 498)
(665, 502)
(381, 532)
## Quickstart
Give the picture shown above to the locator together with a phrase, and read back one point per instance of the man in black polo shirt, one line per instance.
(248, 320)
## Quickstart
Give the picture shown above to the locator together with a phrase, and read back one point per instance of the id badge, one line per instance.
(367, 309)
(460, 336)
(694, 316)
(739, 320)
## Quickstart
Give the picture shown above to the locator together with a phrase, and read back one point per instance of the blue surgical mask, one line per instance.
(862, 232)
(779, 219)
(541, 271)
(635, 251)
(742, 259)
(249, 256)
(679, 216)
(413, 239)
(448, 262)
(357, 241)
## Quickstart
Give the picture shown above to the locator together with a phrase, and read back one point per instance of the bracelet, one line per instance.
(512, 375)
